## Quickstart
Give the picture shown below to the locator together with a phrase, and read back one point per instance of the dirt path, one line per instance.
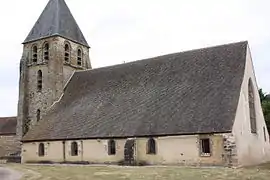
(8, 174)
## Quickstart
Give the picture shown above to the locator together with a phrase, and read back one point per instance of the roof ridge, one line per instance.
(217, 46)
(8, 117)
(57, 14)
(163, 55)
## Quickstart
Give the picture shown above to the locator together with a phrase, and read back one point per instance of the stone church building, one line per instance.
(198, 107)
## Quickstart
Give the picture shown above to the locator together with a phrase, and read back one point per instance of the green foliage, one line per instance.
(266, 112)
(266, 108)
(262, 95)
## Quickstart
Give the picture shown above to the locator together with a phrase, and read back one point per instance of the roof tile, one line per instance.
(8, 125)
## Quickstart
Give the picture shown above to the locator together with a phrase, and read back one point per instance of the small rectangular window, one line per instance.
(205, 147)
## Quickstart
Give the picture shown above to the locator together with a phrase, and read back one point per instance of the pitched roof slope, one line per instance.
(56, 19)
(183, 93)
(8, 125)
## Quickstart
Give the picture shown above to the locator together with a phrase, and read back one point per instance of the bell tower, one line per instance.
(53, 50)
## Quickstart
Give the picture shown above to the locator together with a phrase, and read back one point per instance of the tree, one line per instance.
(266, 107)
(266, 113)
(262, 95)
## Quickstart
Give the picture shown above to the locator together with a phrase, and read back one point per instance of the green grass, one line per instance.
(51, 172)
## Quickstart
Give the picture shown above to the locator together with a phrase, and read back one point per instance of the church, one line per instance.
(198, 107)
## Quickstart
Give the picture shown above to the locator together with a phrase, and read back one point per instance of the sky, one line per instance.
(126, 30)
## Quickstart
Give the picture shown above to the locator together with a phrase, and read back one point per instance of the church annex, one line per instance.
(9, 141)
(199, 107)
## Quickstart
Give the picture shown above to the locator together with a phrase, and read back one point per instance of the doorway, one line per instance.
(129, 152)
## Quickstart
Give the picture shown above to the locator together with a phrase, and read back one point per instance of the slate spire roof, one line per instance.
(189, 92)
(56, 19)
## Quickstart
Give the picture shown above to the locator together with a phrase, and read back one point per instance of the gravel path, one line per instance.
(7, 174)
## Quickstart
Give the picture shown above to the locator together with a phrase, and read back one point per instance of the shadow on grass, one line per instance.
(264, 166)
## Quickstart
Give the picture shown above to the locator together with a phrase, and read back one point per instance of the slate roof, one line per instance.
(56, 19)
(183, 93)
(8, 125)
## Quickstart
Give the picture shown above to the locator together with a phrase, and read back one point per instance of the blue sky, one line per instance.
(128, 30)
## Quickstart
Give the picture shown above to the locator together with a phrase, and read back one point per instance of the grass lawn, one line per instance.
(56, 172)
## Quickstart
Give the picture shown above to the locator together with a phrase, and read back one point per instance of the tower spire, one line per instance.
(56, 20)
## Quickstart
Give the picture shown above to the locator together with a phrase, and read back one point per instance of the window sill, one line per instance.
(37, 63)
(205, 155)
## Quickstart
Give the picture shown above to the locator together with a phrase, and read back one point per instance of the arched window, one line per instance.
(252, 110)
(79, 57)
(111, 147)
(39, 81)
(67, 52)
(38, 115)
(74, 149)
(46, 51)
(41, 149)
(34, 54)
(151, 146)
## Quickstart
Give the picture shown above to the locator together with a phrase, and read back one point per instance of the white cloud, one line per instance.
(127, 30)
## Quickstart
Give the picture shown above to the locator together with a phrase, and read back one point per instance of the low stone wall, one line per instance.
(9, 145)
(3, 161)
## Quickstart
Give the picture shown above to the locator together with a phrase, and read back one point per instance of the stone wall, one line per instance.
(55, 74)
(252, 148)
(230, 150)
(9, 145)
(171, 150)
